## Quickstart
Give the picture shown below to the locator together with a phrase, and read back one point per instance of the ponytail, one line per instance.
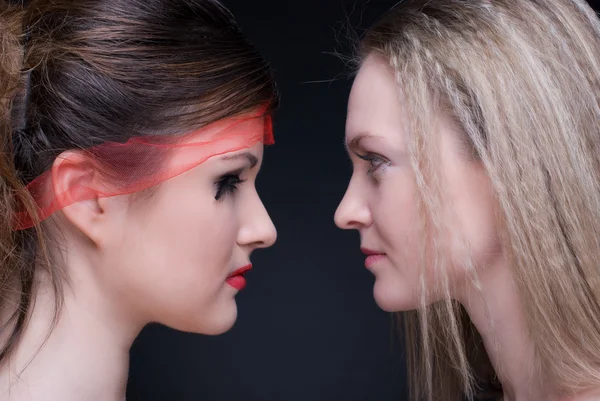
(18, 250)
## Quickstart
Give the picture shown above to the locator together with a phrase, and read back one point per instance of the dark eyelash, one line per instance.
(367, 157)
(372, 158)
(227, 185)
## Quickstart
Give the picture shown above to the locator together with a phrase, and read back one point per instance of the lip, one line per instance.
(241, 270)
(237, 279)
(373, 257)
(369, 252)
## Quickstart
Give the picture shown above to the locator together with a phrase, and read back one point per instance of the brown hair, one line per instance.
(522, 79)
(78, 73)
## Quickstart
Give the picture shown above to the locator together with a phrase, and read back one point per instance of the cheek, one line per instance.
(395, 221)
(469, 214)
(473, 227)
(189, 234)
(177, 257)
(394, 210)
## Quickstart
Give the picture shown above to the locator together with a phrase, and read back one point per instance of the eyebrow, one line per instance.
(252, 160)
(354, 144)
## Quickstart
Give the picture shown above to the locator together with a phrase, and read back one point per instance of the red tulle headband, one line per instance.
(143, 162)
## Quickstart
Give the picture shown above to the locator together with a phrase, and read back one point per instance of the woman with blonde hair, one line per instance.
(474, 131)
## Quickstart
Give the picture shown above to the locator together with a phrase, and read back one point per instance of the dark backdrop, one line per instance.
(308, 327)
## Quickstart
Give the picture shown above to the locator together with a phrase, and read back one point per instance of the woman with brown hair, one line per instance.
(132, 132)
(474, 131)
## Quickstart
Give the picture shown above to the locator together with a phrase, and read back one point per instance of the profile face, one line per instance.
(180, 255)
(381, 199)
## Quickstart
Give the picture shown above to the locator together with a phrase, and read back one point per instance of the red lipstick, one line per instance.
(372, 257)
(237, 279)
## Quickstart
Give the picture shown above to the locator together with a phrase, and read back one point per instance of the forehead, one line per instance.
(239, 128)
(373, 105)
(251, 154)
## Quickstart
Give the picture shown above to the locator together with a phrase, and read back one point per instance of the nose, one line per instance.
(257, 230)
(353, 211)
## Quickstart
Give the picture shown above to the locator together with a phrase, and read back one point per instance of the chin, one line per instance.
(217, 328)
(393, 298)
(217, 321)
(221, 320)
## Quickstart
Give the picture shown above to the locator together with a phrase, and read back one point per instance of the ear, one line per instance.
(76, 184)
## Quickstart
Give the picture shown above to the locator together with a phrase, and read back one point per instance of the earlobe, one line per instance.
(74, 182)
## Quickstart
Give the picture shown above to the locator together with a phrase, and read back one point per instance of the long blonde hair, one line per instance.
(522, 79)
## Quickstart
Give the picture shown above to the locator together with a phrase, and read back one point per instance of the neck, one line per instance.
(499, 319)
(85, 356)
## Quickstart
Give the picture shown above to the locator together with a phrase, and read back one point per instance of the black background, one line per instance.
(308, 327)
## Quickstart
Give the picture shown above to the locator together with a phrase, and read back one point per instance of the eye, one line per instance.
(227, 185)
(374, 160)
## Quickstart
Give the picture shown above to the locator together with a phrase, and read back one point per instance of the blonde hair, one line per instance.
(522, 79)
